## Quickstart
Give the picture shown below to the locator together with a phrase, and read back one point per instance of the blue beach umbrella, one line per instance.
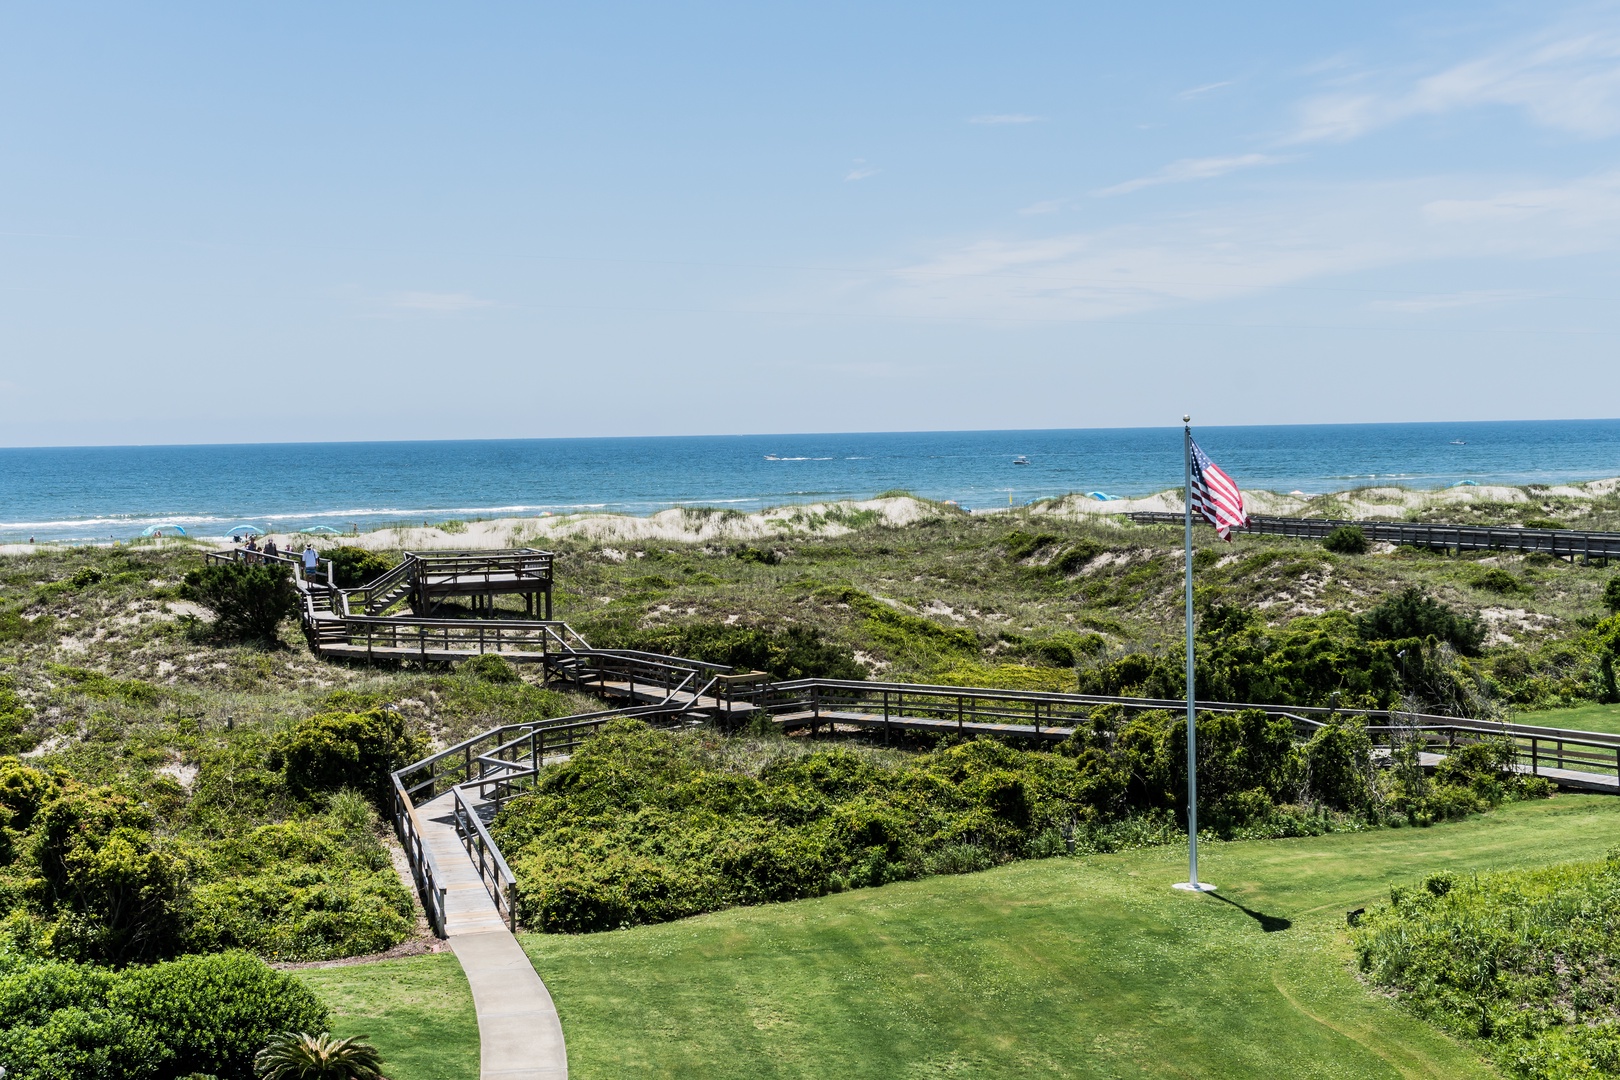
(157, 530)
(320, 530)
(245, 530)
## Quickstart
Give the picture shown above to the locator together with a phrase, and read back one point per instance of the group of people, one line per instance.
(253, 553)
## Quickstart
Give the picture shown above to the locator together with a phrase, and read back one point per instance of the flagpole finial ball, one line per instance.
(1186, 418)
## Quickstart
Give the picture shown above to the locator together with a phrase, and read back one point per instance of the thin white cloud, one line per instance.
(1188, 95)
(1232, 251)
(437, 303)
(1179, 172)
(1566, 79)
(1003, 118)
(1421, 305)
(861, 171)
(1046, 206)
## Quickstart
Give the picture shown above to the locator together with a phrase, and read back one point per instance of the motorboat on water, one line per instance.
(1020, 460)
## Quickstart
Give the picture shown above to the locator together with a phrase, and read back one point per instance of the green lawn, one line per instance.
(1087, 967)
(418, 1011)
(1605, 718)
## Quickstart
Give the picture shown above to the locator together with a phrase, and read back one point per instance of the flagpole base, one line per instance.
(1193, 886)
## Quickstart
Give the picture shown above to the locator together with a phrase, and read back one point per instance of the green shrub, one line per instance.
(330, 751)
(213, 1013)
(491, 668)
(111, 887)
(355, 566)
(61, 1021)
(1075, 556)
(1496, 580)
(1346, 540)
(641, 825)
(1021, 545)
(313, 889)
(1413, 613)
(795, 652)
(1339, 769)
(762, 556)
(249, 601)
(1543, 523)
(1521, 961)
(1611, 595)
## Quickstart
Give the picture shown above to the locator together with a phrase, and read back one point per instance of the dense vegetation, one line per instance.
(1522, 962)
(197, 1015)
(194, 781)
(643, 825)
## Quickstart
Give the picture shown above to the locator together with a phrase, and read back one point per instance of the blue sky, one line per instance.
(302, 222)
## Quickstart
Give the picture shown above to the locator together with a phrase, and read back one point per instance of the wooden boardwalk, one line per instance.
(519, 1035)
(935, 725)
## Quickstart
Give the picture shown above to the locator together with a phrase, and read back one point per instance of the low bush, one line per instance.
(491, 668)
(762, 556)
(795, 652)
(1346, 540)
(355, 566)
(1611, 595)
(1413, 613)
(1543, 523)
(210, 1014)
(333, 750)
(249, 601)
(1496, 580)
(1520, 961)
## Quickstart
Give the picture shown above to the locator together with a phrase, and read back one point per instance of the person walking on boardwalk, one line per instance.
(270, 548)
(311, 558)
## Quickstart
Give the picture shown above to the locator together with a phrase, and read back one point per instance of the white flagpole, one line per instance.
(1192, 884)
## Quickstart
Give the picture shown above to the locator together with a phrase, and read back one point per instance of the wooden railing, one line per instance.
(1563, 543)
(472, 636)
(491, 865)
(424, 868)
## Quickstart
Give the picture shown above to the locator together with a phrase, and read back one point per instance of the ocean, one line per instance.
(95, 493)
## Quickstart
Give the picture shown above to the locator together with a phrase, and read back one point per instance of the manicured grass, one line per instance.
(1605, 718)
(1087, 967)
(418, 1011)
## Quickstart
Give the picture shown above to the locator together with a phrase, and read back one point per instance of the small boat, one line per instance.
(1459, 442)
(772, 457)
(1020, 460)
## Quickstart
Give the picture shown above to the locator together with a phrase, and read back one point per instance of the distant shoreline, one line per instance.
(696, 524)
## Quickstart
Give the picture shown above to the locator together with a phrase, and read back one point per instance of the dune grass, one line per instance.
(1604, 718)
(1089, 967)
(418, 1011)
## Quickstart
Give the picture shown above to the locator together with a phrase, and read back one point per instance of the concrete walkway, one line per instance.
(519, 1035)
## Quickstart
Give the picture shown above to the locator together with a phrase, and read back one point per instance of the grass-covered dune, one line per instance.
(1071, 967)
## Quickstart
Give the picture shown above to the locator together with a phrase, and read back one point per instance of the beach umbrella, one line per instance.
(245, 530)
(320, 530)
(157, 530)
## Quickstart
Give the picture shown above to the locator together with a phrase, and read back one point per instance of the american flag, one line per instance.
(1215, 496)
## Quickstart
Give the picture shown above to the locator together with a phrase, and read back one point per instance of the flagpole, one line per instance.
(1192, 884)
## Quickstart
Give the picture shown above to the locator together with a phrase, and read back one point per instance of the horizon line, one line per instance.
(797, 434)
